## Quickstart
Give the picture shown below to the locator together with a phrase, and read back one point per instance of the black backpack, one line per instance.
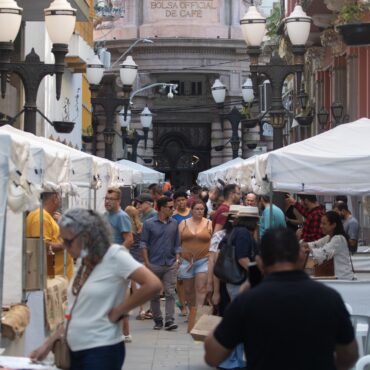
(227, 268)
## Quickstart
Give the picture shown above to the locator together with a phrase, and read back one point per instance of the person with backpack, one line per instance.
(240, 239)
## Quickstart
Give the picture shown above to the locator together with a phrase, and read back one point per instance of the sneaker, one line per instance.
(158, 325)
(127, 338)
(170, 325)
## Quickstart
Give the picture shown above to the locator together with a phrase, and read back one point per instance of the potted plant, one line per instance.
(305, 118)
(248, 121)
(353, 23)
(65, 126)
(87, 134)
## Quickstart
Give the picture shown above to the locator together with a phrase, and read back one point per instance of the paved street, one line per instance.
(162, 350)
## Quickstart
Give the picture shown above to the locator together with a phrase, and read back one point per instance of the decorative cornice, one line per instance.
(331, 39)
(315, 56)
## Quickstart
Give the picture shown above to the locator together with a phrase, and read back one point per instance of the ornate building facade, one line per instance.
(194, 43)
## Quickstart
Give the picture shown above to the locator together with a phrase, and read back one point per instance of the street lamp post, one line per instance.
(234, 116)
(109, 102)
(298, 28)
(60, 20)
(132, 137)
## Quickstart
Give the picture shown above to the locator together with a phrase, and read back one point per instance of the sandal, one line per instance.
(141, 315)
(148, 315)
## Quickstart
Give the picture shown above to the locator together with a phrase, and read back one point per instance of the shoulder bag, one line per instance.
(227, 268)
(62, 354)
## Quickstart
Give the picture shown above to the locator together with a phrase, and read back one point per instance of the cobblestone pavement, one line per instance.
(162, 350)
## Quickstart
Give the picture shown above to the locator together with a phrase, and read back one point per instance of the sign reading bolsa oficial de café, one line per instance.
(185, 9)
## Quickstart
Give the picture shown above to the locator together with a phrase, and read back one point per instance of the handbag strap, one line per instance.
(230, 237)
(69, 318)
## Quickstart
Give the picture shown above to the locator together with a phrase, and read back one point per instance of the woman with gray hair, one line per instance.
(96, 302)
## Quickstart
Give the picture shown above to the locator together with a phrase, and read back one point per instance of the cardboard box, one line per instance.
(205, 325)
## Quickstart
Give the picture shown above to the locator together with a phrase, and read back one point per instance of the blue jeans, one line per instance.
(98, 358)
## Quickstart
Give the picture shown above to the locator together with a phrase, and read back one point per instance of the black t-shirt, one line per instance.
(245, 245)
(287, 322)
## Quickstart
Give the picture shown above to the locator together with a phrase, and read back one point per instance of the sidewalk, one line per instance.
(162, 350)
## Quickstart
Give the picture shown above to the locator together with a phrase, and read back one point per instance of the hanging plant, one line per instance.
(273, 22)
(352, 12)
(352, 25)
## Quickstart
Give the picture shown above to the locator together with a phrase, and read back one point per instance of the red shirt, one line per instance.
(311, 230)
(218, 217)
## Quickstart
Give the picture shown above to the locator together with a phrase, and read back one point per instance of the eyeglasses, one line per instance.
(68, 242)
(110, 199)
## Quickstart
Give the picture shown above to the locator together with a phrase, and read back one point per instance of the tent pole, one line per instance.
(271, 199)
(2, 257)
(24, 260)
(42, 258)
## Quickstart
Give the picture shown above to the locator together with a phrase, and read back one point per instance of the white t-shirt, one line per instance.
(104, 289)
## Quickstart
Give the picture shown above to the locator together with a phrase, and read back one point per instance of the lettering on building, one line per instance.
(185, 9)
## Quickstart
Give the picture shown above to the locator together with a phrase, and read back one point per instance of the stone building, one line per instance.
(194, 42)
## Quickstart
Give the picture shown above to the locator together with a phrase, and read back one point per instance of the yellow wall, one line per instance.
(85, 29)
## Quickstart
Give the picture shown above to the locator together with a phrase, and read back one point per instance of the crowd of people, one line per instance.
(172, 243)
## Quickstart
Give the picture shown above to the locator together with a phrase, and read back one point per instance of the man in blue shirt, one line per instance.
(160, 243)
(118, 219)
(278, 216)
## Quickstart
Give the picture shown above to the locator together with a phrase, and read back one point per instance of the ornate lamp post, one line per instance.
(323, 117)
(109, 102)
(298, 27)
(60, 19)
(133, 138)
(234, 116)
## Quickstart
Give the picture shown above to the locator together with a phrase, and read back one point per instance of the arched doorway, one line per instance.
(182, 152)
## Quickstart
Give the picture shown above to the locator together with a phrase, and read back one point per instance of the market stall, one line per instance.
(142, 174)
(30, 165)
(211, 176)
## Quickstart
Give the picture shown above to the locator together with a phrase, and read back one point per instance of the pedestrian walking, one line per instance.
(195, 235)
(231, 194)
(160, 245)
(272, 216)
(241, 238)
(96, 301)
(117, 218)
(182, 212)
(145, 206)
(288, 321)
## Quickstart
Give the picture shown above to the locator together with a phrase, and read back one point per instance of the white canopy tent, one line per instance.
(334, 162)
(210, 177)
(142, 174)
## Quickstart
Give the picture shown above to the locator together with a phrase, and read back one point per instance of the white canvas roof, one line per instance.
(334, 162)
(5, 150)
(142, 174)
(210, 177)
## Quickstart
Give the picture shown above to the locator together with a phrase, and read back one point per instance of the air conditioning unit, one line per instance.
(265, 96)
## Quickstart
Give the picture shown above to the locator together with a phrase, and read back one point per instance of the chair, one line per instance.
(362, 362)
(361, 324)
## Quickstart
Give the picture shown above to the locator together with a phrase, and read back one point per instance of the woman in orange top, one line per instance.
(195, 233)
